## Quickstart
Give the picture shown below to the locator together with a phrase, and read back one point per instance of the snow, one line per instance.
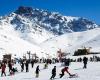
(31, 36)
(10, 44)
(70, 18)
(20, 33)
(70, 42)
(91, 73)
(43, 44)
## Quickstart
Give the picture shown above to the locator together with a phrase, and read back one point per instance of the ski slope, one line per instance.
(91, 73)
(10, 44)
(70, 42)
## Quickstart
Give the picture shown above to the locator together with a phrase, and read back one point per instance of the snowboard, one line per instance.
(74, 76)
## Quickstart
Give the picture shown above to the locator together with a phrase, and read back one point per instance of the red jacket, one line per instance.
(65, 70)
(3, 67)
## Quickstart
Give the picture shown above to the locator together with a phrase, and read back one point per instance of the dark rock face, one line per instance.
(23, 10)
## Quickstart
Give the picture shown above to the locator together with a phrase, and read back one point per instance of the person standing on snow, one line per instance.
(3, 68)
(53, 73)
(85, 60)
(45, 66)
(27, 66)
(32, 62)
(22, 65)
(67, 62)
(37, 71)
(10, 66)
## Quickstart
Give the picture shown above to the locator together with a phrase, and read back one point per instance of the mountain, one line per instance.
(38, 27)
(36, 22)
(51, 21)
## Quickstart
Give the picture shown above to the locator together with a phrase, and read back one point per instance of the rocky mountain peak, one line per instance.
(32, 18)
(24, 10)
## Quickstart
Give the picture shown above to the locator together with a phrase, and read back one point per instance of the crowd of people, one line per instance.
(24, 64)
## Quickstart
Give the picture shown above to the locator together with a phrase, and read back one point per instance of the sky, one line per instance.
(82, 8)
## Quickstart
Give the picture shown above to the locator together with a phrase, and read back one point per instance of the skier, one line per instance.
(37, 71)
(53, 73)
(3, 67)
(65, 69)
(85, 60)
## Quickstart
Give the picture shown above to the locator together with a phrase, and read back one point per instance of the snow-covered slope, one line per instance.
(27, 30)
(68, 43)
(10, 44)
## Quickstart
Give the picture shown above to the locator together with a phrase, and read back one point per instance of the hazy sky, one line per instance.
(83, 8)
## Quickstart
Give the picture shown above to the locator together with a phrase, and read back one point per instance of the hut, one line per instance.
(82, 51)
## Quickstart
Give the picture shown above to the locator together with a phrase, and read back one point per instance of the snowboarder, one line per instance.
(53, 73)
(37, 71)
(3, 68)
(65, 69)
(85, 60)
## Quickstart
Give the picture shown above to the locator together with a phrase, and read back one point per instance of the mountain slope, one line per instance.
(10, 44)
(70, 42)
(55, 22)
(36, 26)
(45, 31)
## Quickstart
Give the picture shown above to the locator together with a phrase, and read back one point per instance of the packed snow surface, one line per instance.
(91, 73)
